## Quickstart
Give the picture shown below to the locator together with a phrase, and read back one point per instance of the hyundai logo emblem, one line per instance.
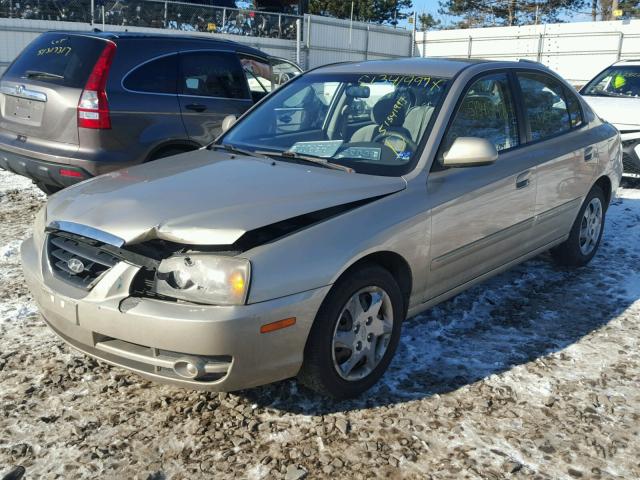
(75, 265)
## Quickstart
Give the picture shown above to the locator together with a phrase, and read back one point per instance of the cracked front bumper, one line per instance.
(151, 337)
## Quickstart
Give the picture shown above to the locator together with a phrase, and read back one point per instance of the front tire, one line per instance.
(586, 233)
(355, 334)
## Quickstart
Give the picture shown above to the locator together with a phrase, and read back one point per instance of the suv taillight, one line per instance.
(93, 108)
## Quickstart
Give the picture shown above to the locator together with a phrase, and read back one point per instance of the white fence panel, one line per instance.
(577, 51)
(333, 40)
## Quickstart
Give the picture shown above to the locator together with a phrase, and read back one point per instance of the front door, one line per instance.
(211, 86)
(482, 216)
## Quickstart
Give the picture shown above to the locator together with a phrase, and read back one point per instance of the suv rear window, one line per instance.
(58, 58)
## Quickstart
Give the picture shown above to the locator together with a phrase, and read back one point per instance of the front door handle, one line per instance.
(196, 107)
(523, 180)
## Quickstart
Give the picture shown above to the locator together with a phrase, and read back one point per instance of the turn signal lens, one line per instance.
(279, 325)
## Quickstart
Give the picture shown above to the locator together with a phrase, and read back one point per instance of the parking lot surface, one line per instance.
(533, 374)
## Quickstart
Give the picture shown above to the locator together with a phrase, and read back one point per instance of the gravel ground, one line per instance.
(532, 375)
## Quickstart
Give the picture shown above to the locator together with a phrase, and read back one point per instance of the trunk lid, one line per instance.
(39, 92)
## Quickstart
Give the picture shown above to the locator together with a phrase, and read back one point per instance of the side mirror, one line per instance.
(470, 152)
(228, 122)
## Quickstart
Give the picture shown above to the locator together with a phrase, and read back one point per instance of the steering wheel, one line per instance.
(382, 138)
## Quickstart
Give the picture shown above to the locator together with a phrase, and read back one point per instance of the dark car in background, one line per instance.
(78, 104)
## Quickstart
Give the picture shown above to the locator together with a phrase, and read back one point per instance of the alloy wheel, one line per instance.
(362, 334)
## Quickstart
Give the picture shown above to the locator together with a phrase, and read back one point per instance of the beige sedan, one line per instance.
(296, 245)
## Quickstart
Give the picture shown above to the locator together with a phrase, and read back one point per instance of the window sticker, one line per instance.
(400, 104)
(57, 48)
(319, 149)
(404, 80)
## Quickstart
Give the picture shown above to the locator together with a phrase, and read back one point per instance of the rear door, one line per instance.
(566, 155)
(211, 85)
(39, 93)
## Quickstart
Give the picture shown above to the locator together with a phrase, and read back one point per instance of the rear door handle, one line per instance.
(196, 107)
(523, 180)
(588, 154)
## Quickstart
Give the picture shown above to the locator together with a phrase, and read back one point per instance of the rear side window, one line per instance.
(212, 74)
(156, 76)
(545, 105)
(575, 112)
(59, 59)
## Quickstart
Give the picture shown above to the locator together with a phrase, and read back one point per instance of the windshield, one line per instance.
(372, 123)
(619, 81)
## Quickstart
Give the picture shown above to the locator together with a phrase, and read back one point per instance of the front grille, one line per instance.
(77, 262)
(629, 165)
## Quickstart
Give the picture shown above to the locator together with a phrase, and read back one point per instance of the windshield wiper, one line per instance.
(232, 149)
(38, 74)
(323, 162)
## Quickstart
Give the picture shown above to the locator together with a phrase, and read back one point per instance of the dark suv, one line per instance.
(74, 105)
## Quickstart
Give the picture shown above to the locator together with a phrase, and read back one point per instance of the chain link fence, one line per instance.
(188, 17)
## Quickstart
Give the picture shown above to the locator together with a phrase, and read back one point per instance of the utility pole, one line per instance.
(351, 24)
(594, 10)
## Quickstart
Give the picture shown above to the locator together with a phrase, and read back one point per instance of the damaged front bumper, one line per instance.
(216, 348)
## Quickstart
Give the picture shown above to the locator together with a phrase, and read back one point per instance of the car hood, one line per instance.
(208, 197)
(624, 113)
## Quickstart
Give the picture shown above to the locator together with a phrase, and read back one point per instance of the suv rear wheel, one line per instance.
(355, 334)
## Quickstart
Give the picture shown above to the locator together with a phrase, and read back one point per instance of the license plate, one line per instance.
(60, 306)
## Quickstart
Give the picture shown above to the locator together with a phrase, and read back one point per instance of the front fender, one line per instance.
(316, 256)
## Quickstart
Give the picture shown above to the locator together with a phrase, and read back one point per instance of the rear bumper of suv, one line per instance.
(47, 173)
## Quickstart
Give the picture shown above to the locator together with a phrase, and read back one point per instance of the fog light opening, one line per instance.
(189, 368)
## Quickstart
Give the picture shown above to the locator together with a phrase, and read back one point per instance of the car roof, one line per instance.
(209, 42)
(437, 67)
(631, 62)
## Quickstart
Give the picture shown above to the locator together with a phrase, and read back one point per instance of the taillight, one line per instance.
(93, 108)
(65, 172)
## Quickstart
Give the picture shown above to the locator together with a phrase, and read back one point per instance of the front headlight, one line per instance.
(205, 278)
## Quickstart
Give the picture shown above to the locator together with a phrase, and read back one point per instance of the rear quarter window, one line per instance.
(59, 59)
(157, 76)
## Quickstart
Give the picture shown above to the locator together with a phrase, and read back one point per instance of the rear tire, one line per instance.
(355, 334)
(586, 233)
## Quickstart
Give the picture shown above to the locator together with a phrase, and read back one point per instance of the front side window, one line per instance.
(212, 74)
(372, 123)
(486, 111)
(545, 105)
(575, 112)
(156, 76)
(618, 81)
